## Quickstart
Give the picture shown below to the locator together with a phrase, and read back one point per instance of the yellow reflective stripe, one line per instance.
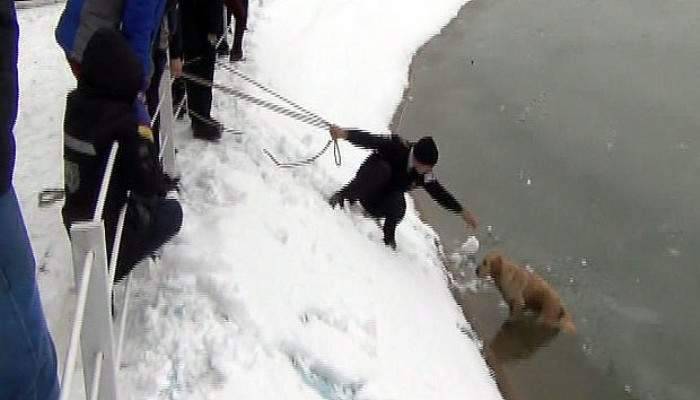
(146, 133)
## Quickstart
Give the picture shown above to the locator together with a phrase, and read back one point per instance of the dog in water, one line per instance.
(525, 290)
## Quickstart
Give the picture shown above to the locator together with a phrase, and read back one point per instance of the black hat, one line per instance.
(425, 151)
(110, 66)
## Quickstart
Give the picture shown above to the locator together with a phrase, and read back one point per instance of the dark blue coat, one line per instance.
(27, 357)
(8, 91)
(139, 21)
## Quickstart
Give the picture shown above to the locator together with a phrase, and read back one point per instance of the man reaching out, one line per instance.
(394, 167)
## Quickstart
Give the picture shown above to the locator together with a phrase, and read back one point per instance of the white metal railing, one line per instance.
(93, 327)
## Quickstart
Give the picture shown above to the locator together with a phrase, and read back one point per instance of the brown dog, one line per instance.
(522, 289)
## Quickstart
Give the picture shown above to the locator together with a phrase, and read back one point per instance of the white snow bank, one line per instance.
(267, 293)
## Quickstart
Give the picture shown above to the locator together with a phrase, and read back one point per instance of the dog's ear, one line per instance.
(497, 261)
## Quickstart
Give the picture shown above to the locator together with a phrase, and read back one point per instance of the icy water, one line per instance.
(572, 128)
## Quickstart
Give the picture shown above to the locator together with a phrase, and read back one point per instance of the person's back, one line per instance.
(98, 114)
(138, 21)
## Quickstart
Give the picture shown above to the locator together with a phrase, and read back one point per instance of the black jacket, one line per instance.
(199, 19)
(8, 91)
(98, 113)
(172, 22)
(396, 151)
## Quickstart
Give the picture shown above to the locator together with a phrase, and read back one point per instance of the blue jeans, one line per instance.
(27, 354)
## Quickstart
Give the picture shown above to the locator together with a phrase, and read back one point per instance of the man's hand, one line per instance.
(213, 39)
(176, 67)
(470, 219)
(337, 132)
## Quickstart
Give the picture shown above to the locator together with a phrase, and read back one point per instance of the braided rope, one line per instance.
(310, 120)
(304, 115)
(271, 92)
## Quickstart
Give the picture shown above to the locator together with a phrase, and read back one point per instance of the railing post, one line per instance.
(167, 123)
(89, 237)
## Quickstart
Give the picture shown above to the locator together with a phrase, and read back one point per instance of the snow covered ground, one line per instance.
(268, 293)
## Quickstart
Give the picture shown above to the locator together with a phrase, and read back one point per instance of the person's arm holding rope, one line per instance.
(362, 138)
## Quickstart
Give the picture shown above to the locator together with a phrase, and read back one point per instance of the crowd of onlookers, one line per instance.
(117, 51)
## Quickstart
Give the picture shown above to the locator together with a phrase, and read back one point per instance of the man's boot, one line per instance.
(209, 129)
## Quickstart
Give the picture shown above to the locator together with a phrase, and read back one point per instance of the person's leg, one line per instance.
(199, 97)
(196, 93)
(152, 95)
(393, 207)
(27, 359)
(241, 26)
(137, 244)
(160, 58)
(178, 96)
(207, 72)
(223, 49)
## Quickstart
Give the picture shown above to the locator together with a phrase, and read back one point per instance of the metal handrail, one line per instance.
(77, 327)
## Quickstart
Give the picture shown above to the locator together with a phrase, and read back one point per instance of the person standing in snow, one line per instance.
(27, 355)
(202, 26)
(98, 113)
(138, 20)
(395, 167)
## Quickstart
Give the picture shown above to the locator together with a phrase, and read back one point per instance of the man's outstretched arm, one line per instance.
(448, 201)
(362, 138)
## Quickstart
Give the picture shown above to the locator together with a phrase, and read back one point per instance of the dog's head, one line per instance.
(491, 262)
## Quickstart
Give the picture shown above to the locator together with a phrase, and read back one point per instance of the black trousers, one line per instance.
(138, 243)
(199, 58)
(241, 16)
(371, 188)
(201, 64)
(160, 58)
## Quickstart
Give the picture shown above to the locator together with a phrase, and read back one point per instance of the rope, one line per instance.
(336, 149)
(310, 160)
(304, 116)
(310, 120)
(265, 89)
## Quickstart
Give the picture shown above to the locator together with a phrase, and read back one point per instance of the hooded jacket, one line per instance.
(138, 20)
(99, 113)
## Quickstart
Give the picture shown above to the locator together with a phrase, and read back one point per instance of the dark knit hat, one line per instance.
(110, 66)
(425, 151)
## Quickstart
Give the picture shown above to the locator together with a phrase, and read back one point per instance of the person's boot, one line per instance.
(222, 49)
(237, 49)
(236, 55)
(391, 243)
(207, 130)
